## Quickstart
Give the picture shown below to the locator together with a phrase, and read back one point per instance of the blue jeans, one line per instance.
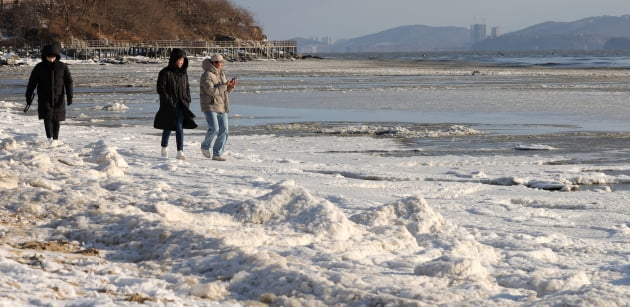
(217, 126)
(179, 131)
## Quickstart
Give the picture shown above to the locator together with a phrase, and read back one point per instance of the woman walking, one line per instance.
(214, 90)
(53, 81)
(174, 113)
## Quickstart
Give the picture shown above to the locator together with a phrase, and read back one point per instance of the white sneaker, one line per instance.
(164, 152)
(206, 153)
(180, 155)
(218, 158)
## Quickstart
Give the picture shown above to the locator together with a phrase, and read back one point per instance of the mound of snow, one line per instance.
(294, 207)
(110, 162)
(413, 212)
(116, 106)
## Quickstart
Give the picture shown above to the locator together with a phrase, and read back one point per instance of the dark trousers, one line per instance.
(179, 132)
(52, 128)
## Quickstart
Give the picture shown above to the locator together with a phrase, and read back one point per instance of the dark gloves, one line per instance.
(69, 101)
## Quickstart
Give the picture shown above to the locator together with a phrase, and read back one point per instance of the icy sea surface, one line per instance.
(348, 182)
(581, 103)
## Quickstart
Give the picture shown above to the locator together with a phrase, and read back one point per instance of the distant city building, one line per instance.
(495, 32)
(478, 32)
(328, 40)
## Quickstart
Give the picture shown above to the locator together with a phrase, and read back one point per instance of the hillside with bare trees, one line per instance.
(63, 20)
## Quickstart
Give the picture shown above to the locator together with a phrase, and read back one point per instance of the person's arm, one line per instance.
(31, 86)
(216, 87)
(162, 88)
(207, 85)
(67, 81)
(188, 96)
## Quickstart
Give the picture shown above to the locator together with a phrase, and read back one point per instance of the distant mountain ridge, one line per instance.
(407, 38)
(602, 25)
(603, 32)
(585, 34)
(399, 39)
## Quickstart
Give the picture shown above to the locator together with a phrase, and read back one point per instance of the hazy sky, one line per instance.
(286, 19)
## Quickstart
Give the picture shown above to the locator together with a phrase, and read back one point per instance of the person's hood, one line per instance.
(207, 65)
(175, 55)
(51, 50)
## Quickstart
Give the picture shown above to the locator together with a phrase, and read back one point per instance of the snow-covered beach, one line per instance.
(348, 182)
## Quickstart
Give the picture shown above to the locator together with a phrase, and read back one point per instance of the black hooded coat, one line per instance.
(174, 91)
(53, 82)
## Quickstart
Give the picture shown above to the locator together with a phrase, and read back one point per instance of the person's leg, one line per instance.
(179, 130)
(49, 128)
(213, 128)
(164, 143)
(165, 135)
(55, 129)
(222, 135)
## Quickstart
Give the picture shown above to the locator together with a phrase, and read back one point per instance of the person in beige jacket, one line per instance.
(214, 90)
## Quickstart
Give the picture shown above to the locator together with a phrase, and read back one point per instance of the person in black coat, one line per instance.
(53, 82)
(174, 113)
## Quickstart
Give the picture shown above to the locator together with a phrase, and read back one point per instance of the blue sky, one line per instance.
(286, 19)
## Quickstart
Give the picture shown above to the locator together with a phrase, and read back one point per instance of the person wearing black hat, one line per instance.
(174, 113)
(53, 82)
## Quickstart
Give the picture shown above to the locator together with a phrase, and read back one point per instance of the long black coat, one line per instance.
(174, 91)
(53, 82)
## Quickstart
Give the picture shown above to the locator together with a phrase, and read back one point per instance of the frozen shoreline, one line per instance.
(300, 217)
(307, 220)
(339, 90)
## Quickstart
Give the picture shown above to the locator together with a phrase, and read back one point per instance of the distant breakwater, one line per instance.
(104, 49)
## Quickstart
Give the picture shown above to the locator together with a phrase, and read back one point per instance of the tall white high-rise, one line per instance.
(477, 32)
(495, 32)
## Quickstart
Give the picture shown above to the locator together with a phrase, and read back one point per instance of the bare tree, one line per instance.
(128, 20)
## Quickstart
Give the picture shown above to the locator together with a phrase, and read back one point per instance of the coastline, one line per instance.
(368, 84)
(359, 212)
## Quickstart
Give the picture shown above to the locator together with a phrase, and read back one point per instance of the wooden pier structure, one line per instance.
(102, 49)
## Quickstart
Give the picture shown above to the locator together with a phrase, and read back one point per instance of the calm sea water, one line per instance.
(549, 58)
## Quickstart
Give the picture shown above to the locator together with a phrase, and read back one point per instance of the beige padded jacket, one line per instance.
(213, 89)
